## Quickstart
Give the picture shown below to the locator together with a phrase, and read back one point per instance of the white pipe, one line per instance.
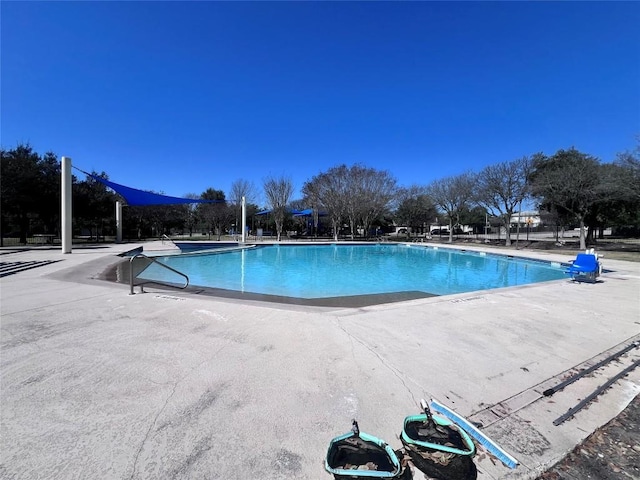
(66, 217)
(244, 219)
(118, 222)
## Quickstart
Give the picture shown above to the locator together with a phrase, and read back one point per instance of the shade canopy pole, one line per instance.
(118, 222)
(65, 216)
(244, 219)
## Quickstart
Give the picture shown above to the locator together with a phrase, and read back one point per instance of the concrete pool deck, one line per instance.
(96, 383)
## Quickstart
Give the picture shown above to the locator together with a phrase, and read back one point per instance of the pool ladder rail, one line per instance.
(164, 237)
(152, 260)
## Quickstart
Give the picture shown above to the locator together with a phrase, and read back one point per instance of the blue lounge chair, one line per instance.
(585, 268)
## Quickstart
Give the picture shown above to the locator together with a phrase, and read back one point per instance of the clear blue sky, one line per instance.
(179, 97)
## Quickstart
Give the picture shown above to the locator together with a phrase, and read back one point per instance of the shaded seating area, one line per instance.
(585, 268)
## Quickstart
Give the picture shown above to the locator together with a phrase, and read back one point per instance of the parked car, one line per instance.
(440, 231)
(399, 232)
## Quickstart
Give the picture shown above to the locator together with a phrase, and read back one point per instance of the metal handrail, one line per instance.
(164, 237)
(153, 281)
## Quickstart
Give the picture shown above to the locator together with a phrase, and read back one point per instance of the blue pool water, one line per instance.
(322, 271)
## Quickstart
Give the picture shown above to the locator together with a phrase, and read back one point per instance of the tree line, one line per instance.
(571, 187)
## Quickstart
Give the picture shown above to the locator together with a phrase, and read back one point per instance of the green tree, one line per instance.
(628, 187)
(153, 220)
(28, 190)
(619, 202)
(93, 205)
(474, 216)
(189, 213)
(415, 208)
(570, 182)
(164, 218)
(218, 216)
(49, 205)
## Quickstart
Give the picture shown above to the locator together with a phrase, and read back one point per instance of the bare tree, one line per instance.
(357, 193)
(329, 191)
(371, 192)
(278, 192)
(242, 188)
(453, 196)
(502, 188)
(311, 192)
(190, 213)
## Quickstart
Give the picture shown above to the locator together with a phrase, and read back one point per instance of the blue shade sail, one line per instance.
(135, 197)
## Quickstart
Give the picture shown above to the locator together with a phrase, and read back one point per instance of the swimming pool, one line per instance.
(330, 271)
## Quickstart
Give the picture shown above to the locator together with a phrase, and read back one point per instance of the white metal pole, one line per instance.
(519, 220)
(486, 227)
(66, 205)
(244, 219)
(118, 222)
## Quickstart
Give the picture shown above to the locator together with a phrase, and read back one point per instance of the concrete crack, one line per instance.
(166, 402)
(396, 372)
(144, 440)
